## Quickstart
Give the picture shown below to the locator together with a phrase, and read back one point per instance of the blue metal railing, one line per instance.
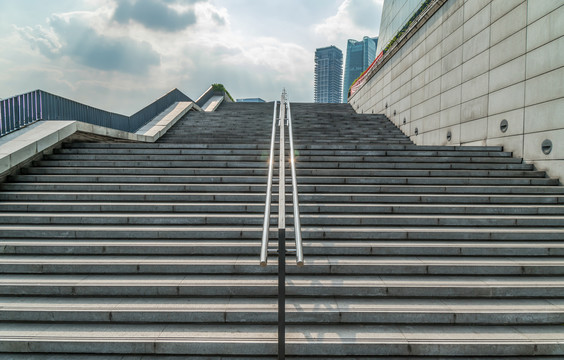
(19, 111)
(22, 110)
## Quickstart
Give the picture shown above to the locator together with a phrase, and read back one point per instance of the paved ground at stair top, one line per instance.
(128, 251)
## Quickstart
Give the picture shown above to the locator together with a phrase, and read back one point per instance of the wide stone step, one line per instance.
(247, 146)
(397, 178)
(264, 284)
(258, 207)
(147, 179)
(129, 187)
(316, 340)
(426, 198)
(47, 170)
(241, 197)
(306, 219)
(249, 232)
(336, 146)
(152, 163)
(317, 265)
(313, 247)
(391, 179)
(298, 310)
(150, 151)
(257, 197)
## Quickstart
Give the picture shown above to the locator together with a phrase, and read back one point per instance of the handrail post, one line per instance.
(266, 223)
(295, 200)
(282, 235)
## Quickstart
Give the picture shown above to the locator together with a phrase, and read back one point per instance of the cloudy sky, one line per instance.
(120, 55)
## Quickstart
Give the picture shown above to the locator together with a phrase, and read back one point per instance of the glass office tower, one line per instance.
(328, 75)
(360, 55)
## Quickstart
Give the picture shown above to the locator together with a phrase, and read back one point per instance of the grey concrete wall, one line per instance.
(474, 64)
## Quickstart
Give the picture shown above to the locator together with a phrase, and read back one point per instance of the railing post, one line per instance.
(282, 236)
(281, 294)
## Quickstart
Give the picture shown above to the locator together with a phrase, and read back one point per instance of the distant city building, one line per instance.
(328, 75)
(253, 100)
(360, 54)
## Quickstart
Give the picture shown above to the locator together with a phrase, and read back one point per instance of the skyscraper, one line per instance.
(360, 55)
(328, 75)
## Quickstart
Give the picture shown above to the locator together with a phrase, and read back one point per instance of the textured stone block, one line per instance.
(432, 137)
(514, 121)
(500, 8)
(533, 145)
(513, 144)
(475, 87)
(450, 116)
(452, 40)
(474, 130)
(509, 24)
(452, 60)
(546, 87)
(545, 58)
(506, 99)
(472, 7)
(4, 162)
(555, 168)
(546, 29)
(538, 9)
(476, 44)
(507, 74)
(453, 17)
(47, 141)
(430, 90)
(451, 79)
(434, 38)
(451, 97)
(426, 108)
(476, 66)
(544, 116)
(474, 109)
(508, 49)
(477, 22)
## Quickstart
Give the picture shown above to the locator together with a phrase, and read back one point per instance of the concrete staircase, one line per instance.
(129, 251)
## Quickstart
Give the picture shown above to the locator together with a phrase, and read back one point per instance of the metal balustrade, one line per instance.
(22, 110)
(285, 119)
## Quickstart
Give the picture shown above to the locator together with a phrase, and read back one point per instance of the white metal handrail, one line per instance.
(266, 223)
(295, 200)
(285, 119)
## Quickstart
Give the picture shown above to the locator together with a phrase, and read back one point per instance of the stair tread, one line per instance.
(293, 304)
(299, 334)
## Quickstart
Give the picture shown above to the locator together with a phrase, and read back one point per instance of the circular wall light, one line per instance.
(503, 125)
(546, 147)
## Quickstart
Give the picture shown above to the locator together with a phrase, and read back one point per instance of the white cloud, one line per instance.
(354, 19)
(253, 48)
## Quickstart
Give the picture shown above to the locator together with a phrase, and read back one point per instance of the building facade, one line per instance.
(483, 72)
(394, 16)
(360, 55)
(328, 75)
(252, 100)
